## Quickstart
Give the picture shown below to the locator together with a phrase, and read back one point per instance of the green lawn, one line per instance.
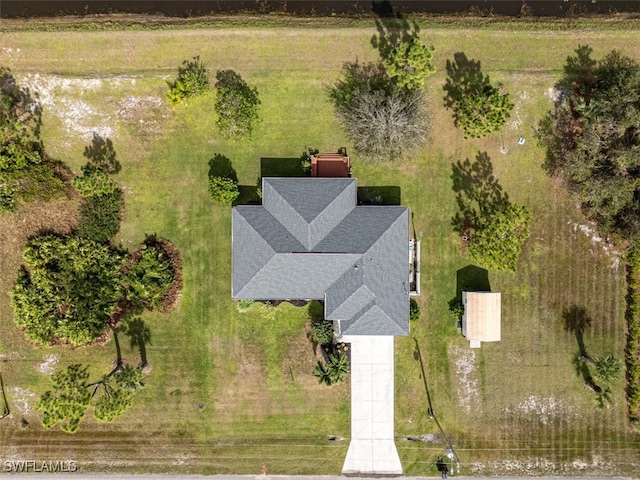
(230, 392)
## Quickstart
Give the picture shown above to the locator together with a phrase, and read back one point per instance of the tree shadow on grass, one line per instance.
(478, 192)
(282, 167)
(101, 154)
(220, 166)
(380, 195)
(139, 335)
(392, 28)
(464, 77)
(576, 321)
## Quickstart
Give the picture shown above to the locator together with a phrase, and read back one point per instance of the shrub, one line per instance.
(414, 310)
(100, 216)
(149, 277)
(244, 305)
(7, 198)
(20, 120)
(192, 80)
(237, 105)
(382, 120)
(386, 125)
(456, 308)
(322, 331)
(496, 242)
(94, 181)
(632, 351)
(223, 190)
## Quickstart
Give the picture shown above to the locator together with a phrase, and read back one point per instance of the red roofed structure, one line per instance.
(330, 165)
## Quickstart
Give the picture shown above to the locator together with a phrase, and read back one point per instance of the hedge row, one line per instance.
(632, 351)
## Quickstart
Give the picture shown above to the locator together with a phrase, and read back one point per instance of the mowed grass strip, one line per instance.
(231, 391)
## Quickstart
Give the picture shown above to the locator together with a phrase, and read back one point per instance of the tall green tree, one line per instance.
(237, 105)
(496, 242)
(69, 400)
(478, 107)
(409, 63)
(115, 392)
(67, 290)
(592, 139)
(72, 396)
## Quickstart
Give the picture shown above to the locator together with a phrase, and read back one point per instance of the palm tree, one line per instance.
(608, 367)
(338, 367)
(322, 374)
(603, 397)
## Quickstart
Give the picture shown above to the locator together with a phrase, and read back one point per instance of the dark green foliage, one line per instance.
(338, 367)
(322, 374)
(39, 182)
(382, 120)
(334, 370)
(100, 216)
(497, 241)
(69, 400)
(456, 308)
(7, 198)
(358, 78)
(71, 396)
(477, 106)
(67, 290)
(24, 175)
(117, 392)
(223, 190)
(592, 138)
(409, 63)
(632, 350)
(94, 181)
(608, 367)
(20, 120)
(321, 331)
(149, 277)
(237, 105)
(305, 161)
(192, 80)
(495, 228)
(414, 311)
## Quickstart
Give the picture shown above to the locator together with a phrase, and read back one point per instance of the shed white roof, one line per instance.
(482, 316)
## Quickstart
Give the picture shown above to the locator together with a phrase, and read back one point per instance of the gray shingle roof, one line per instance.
(309, 240)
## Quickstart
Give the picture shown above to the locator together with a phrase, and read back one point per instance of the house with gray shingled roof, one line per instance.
(310, 241)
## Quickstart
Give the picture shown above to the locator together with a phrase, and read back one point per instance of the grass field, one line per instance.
(232, 392)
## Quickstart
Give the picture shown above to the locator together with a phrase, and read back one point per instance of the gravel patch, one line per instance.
(48, 365)
(466, 379)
